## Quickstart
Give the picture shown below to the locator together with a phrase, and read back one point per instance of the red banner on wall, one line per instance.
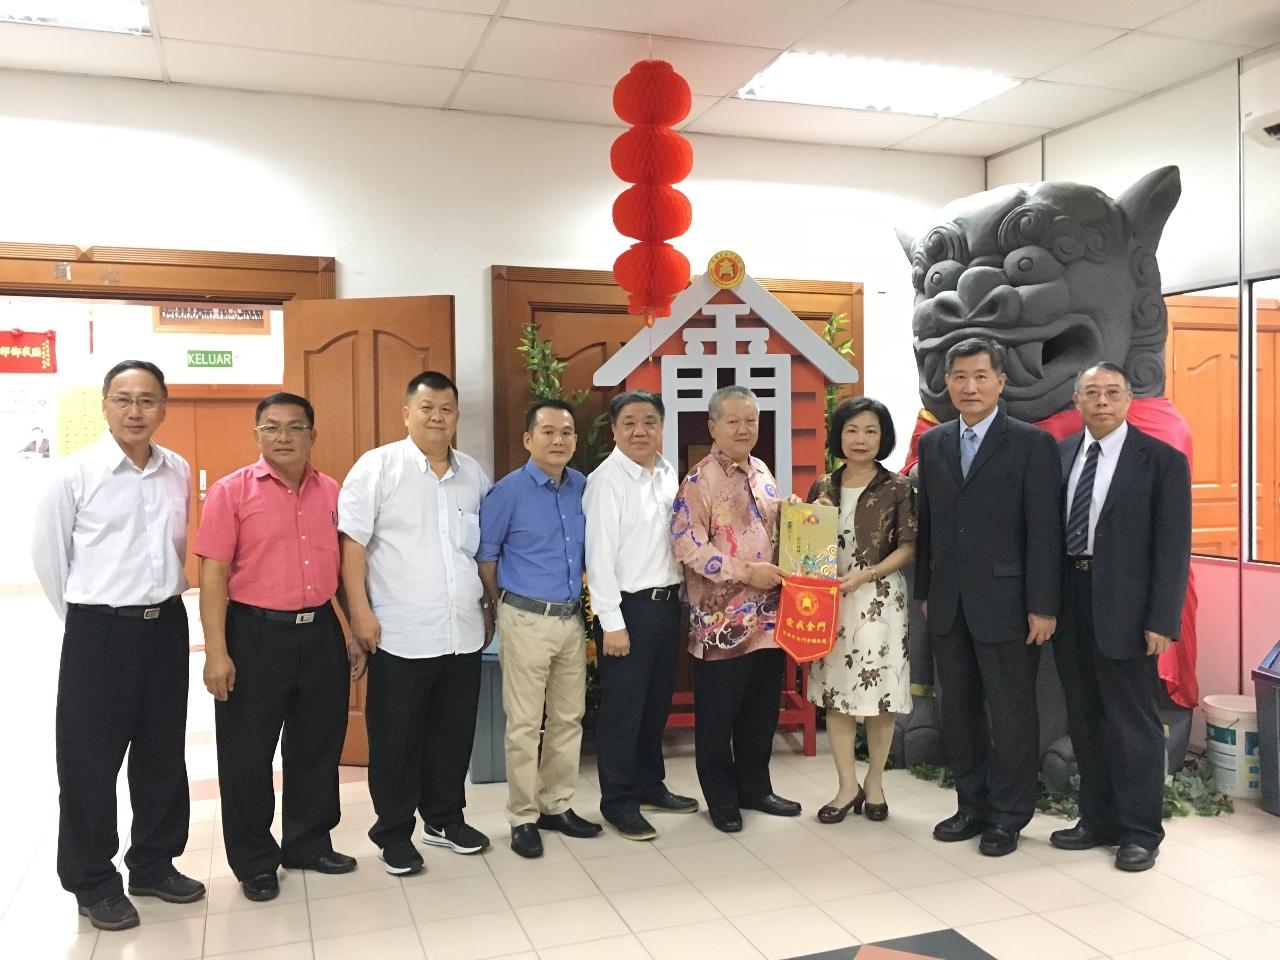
(24, 352)
(807, 613)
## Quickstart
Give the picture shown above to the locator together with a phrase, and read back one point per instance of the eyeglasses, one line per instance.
(145, 403)
(1113, 394)
(275, 430)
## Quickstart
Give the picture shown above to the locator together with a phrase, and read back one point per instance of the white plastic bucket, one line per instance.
(1231, 736)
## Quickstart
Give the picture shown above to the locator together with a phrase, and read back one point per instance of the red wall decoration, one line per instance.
(24, 352)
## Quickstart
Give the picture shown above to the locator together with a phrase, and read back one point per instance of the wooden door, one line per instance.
(212, 427)
(1266, 430)
(353, 359)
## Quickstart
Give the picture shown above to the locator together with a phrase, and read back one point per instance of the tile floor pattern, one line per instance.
(783, 888)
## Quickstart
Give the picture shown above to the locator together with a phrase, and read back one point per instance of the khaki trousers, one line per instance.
(544, 663)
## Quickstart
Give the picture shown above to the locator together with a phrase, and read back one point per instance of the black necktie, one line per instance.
(1078, 519)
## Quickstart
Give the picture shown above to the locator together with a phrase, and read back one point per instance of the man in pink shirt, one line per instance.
(724, 524)
(274, 651)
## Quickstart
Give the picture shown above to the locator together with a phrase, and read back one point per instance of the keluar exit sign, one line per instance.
(209, 358)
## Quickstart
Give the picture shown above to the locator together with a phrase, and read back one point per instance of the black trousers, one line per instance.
(1114, 720)
(635, 698)
(290, 678)
(122, 685)
(421, 717)
(990, 723)
(736, 703)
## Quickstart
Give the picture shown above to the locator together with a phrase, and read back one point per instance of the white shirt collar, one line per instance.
(634, 470)
(419, 459)
(113, 456)
(1109, 446)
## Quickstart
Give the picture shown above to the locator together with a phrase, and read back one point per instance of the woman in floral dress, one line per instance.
(867, 674)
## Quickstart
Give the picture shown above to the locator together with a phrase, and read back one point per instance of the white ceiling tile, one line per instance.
(1128, 14)
(486, 7)
(1144, 62)
(25, 46)
(1037, 103)
(806, 124)
(336, 28)
(214, 65)
(969, 138)
(759, 23)
(1251, 23)
(545, 99)
(925, 32)
(602, 57)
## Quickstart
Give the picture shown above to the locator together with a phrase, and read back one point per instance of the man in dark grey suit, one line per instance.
(987, 574)
(1127, 499)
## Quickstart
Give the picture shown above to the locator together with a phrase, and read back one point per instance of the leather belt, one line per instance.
(657, 594)
(281, 616)
(138, 613)
(1083, 564)
(545, 607)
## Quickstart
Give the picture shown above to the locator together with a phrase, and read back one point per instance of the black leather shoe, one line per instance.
(570, 824)
(726, 819)
(960, 826)
(526, 841)
(1079, 837)
(1134, 858)
(634, 827)
(264, 886)
(331, 862)
(773, 805)
(174, 888)
(668, 802)
(998, 841)
(111, 913)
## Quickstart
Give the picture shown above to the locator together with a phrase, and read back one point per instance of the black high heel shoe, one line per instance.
(830, 814)
(877, 811)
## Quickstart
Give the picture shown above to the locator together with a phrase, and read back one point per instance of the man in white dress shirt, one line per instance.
(111, 536)
(409, 515)
(634, 581)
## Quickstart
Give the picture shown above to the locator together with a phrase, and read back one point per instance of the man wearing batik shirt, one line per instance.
(723, 528)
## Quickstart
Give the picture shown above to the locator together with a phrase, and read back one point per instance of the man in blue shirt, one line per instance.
(532, 533)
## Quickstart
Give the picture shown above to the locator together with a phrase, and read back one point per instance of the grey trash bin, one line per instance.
(1266, 691)
(488, 756)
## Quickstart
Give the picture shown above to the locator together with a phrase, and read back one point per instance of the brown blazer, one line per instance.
(883, 520)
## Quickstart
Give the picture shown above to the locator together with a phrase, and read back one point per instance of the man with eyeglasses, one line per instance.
(409, 515)
(275, 658)
(1127, 500)
(111, 537)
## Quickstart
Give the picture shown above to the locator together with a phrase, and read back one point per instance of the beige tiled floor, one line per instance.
(779, 889)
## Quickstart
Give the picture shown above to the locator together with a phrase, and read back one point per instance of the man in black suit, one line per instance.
(987, 575)
(1127, 498)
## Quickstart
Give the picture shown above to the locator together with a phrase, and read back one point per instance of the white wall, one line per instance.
(1019, 165)
(1261, 188)
(415, 201)
(1194, 126)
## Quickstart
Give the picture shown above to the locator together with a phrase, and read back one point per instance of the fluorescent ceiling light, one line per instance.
(864, 83)
(119, 16)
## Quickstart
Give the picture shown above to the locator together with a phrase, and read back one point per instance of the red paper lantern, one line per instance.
(652, 92)
(652, 273)
(652, 212)
(652, 97)
(651, 154)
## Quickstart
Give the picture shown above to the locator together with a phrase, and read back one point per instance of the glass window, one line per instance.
(1266, 324)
